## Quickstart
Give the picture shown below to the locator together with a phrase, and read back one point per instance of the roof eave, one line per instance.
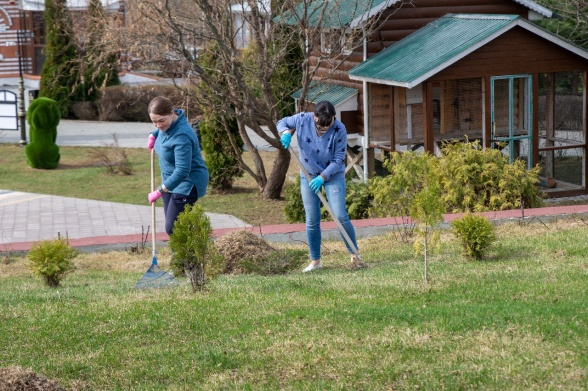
(375, 10)
(533, 6)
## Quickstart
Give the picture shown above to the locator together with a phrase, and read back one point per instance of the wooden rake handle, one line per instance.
(153, 203)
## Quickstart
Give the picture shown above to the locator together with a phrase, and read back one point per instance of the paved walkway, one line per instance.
(26, 218)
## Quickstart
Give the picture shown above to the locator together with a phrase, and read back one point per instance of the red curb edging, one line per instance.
(294, 228)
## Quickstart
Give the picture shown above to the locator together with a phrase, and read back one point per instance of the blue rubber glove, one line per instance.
(316, 184)
(285, 140)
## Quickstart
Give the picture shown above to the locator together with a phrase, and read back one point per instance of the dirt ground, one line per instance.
(20, 379)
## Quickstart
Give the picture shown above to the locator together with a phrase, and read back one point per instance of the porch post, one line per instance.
(486, 113)
(549, 124)
(429, 134)
(366, 135)
(585, 133)
(535, 119)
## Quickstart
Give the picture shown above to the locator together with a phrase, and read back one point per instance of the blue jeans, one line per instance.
(336, 191)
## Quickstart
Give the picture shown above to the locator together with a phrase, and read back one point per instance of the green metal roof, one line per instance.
(334, 14)
(350, 13)
(324, 91)
(440, 44)
(431, 49)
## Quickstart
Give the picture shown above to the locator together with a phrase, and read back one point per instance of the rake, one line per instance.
(154, 277)
(357, 262)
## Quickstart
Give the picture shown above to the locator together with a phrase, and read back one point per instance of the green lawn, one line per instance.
(517, 321)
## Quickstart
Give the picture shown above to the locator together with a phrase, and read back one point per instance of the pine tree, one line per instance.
(60, 74)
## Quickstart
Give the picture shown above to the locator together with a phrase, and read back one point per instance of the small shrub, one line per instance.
(194, 252)
(51, 260)
(475, 234)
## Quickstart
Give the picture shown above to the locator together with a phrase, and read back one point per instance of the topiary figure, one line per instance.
(43, 117)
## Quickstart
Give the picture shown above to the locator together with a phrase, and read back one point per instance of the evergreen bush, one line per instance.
(477, 179)
(473, 179)
(43, 117)
(60, 74)
(219, 129)
(194, 252)
(51, 260)
(223, 166)
(475, 233)
(294, 208)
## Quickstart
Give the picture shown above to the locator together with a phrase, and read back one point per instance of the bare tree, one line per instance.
(573, 24)
(248, 83)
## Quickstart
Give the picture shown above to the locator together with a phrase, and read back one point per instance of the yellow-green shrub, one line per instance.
(475, 233)
(51, 260)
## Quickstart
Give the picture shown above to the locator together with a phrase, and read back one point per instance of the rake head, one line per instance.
(155, 277)
(357, 263)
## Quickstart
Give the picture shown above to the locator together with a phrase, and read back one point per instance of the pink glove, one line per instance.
(154, 196)
(150, 142)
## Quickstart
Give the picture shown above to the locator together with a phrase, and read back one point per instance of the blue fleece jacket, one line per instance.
(180, 161)
(319, 155)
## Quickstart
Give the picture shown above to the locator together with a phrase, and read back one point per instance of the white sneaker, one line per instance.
(312, 267)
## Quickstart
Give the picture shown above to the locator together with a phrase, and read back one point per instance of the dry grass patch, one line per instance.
(20, 379)
(245, 253)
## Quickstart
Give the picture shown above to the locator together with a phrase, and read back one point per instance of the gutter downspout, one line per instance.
(365, 119)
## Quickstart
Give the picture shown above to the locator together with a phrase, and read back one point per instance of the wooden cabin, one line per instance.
(436, 71)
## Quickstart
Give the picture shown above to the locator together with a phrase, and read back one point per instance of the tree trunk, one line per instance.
(277, 177)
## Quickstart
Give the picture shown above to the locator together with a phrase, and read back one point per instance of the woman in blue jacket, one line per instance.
(183, 171)
(322, 144)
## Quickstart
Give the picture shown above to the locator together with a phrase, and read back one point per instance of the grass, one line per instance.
(81, 175)
(517, 321)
